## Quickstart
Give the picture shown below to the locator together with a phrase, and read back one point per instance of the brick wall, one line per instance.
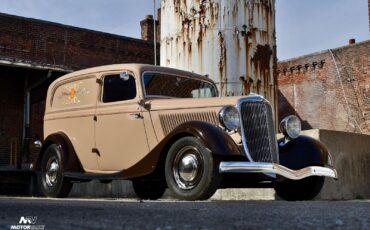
(39, 41)
(311, 87)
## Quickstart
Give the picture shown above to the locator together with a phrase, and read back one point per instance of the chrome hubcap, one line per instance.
(187, 167)
(52, 168)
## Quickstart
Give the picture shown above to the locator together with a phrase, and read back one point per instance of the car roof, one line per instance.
(137, 68)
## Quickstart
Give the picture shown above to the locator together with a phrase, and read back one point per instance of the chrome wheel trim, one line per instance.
(187, 167)
(51, 171)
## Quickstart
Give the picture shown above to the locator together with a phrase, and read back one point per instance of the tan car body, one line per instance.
(100, 124)
(74, 108)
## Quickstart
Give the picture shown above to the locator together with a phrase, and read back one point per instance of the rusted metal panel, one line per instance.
(232, 41)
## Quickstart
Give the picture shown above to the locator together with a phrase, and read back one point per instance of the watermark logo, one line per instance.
(28, 220)
(27, 223)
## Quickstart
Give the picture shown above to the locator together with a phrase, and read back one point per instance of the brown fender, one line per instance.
(302, 152)
(71, 161)
(214, 138)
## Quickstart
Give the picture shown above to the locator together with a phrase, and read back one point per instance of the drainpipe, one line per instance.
(25, 128)
(27, 114)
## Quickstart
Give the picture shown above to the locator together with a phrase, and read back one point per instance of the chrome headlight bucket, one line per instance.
(229, 117)
(291, 127)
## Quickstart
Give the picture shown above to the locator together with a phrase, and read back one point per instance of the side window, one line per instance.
(75, 93)
(118, 87)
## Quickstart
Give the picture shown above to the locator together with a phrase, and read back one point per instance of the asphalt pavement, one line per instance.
(39, 213)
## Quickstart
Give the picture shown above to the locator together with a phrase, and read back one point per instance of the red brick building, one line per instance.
(33, 53)
(328, 89)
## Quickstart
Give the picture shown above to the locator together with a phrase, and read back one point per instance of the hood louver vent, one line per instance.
(170, 121)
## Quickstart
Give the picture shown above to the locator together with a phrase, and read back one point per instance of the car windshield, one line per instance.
(166, 85)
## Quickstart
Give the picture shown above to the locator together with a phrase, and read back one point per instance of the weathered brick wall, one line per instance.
(322, 98)
(51, 43)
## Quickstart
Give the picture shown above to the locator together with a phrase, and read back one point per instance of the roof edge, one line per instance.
(323, 51)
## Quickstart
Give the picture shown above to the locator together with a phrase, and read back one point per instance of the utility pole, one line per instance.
(155, 35)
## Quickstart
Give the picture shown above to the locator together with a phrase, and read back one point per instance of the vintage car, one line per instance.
(166, 128)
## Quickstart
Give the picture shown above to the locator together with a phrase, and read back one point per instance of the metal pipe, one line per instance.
(155, 35)
(27, 115)
(24, 109)
(24, 130)
(349, 113)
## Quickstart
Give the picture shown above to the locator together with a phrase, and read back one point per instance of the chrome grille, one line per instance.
(258, 131)
(170, 121)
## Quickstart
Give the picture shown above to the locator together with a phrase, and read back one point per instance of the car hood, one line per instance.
(190, 103)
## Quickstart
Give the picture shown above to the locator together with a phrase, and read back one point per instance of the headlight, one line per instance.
(229, 117)
(290, 127)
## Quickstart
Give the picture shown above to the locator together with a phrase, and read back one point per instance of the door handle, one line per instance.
(96, 151)
(136, 115)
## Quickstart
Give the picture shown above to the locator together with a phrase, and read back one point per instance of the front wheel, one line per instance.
(305, 189)
(50, 178)
(191, 170)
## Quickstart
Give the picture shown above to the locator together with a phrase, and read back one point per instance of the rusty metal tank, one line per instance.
(231, 41)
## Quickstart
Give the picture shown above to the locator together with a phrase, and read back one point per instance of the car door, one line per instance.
(119, 126)
(72, 113)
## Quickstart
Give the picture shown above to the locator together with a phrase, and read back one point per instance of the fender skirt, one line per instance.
(302, 152)
(214, 138)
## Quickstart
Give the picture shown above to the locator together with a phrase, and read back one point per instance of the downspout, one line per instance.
(27, 114)
(25, 128)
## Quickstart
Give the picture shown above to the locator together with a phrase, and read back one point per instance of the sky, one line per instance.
(302, 26)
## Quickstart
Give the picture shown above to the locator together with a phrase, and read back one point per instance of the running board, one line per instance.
(261, 167)
(93, 176)
(15, 168)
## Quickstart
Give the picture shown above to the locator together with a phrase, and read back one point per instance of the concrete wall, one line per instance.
(351, 157)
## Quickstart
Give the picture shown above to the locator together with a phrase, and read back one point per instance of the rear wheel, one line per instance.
(305, 189)
(149, 190)
(191, 170)
(50, 178)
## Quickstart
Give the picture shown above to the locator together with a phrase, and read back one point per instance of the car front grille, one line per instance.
(258, 131)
